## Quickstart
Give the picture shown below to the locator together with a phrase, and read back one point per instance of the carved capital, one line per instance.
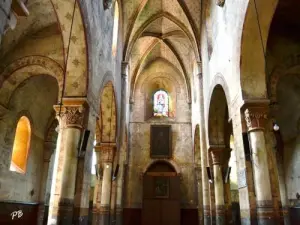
(106, 152)
(220, 3)
(107, 4)
(72, 112)
(256, 118)
(217, 154)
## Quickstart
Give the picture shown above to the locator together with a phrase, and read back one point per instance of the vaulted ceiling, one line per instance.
(161, 29)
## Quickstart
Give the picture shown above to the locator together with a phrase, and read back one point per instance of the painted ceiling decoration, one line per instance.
(45, 14)
(161, 29)
(108, 114)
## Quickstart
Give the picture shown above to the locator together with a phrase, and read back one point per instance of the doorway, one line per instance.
(161, 195)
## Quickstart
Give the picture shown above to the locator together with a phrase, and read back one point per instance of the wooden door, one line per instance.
(158, 208)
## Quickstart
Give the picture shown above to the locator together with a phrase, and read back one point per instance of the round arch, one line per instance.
(170, 162)
(10, 77)
(252, 69)
(217, 117)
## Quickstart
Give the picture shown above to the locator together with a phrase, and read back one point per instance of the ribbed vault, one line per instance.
(164, 30)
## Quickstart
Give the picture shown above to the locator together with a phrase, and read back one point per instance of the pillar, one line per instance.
(123, 143)
(107, 155)
(227, 191)
(256, 117)
(203, 149)
(279, 145)
(98, 188)
(49, 148)
(216, 154)
(70, 117)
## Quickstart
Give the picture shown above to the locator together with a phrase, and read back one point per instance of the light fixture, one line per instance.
(275, 127)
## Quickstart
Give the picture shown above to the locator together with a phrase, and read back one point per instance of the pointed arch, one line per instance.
(108, 114)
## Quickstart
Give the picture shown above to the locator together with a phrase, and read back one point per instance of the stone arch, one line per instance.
(172, 163)
(220, 80)
(217, 117)
(36, 65)
(278, 72)
(252, 69)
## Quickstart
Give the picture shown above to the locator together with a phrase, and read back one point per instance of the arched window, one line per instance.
(21, 146)
(161, 103)
(116, 29)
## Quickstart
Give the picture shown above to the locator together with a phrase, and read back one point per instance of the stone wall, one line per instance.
(5, 5)
(35, 99)
(139, 136)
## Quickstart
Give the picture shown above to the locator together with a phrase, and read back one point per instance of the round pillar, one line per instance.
(256, 118)
(216, 154)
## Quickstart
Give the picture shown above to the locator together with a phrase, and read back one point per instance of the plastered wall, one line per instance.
(139, 142)
(35, 99)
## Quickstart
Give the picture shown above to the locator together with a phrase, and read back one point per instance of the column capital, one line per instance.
(256, 114)
(72, 112)
(106, 151)
(217, 154)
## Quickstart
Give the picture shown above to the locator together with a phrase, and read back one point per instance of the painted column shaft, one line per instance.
(216, 154)
(260, 166)
(62, 192)
(204, 158)
(65, 164)
(105, 194)
(256, 118)
(219, 195)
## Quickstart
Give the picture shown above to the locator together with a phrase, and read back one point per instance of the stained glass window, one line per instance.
(161, 103)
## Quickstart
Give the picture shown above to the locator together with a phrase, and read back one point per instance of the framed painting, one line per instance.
(161, 187)
(160, 141)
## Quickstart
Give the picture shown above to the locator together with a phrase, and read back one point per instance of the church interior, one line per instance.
(149, 112)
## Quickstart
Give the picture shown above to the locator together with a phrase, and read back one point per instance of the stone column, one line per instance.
(122, 152)
(216, 154)
(98, 188)
(70, 117)
(203, 149)
(227, 191)
(280, 168)
(107, 156)
(256, 117)
(49, 148)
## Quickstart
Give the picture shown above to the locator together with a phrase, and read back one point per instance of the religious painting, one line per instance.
(161, 103)
(161, 141)
(161, 187)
